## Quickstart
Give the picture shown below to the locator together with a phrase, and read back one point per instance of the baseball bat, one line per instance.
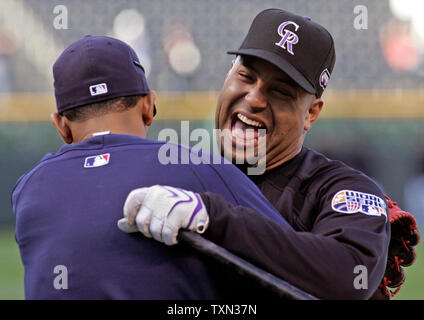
(267, 280)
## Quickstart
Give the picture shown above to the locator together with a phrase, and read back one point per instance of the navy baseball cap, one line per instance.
(301, 48)
(95, 69)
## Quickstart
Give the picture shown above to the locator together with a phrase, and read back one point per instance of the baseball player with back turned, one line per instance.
(341, 217)
(67, 206)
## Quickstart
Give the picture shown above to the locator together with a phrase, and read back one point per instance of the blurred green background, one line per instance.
(11, 270)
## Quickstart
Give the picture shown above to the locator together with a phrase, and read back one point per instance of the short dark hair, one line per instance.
(88, 111)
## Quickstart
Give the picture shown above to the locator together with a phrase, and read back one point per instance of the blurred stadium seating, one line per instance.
(216, 26)
(373, 118)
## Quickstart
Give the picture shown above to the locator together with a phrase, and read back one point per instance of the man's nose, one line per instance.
(255, 98)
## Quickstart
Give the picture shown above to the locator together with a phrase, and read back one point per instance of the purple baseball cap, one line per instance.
(95, 69)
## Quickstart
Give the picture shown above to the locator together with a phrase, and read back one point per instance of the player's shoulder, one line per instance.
(210, 165)
(330, 174)
(344, 189)
(20, 183)
(174, 153)
(90, 148)
(218, 174)
(317, 165)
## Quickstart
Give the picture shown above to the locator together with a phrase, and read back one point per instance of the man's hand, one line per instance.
(161, 211)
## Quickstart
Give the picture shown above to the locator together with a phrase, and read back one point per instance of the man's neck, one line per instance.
(118, 123)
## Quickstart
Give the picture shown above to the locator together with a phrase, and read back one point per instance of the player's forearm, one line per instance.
(322, 265)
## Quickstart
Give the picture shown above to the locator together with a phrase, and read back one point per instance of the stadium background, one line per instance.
(373, 117)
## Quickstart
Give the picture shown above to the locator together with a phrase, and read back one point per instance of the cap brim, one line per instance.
(280, 63)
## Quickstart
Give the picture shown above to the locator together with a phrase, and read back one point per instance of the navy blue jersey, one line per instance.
(67, 208)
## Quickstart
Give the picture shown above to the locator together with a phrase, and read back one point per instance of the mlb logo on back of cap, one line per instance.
(97, 89)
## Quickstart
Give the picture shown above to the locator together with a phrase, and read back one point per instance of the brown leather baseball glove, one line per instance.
(404, 236)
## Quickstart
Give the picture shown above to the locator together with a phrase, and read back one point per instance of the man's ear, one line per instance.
(148, 103)
(312, 113)
(62, 126)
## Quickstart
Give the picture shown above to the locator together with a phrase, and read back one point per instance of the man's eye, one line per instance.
(245, 76)
(282, 92)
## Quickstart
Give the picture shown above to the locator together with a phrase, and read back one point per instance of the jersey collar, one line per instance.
(99, 141)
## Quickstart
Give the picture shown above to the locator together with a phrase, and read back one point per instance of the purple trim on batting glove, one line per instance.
(196, 210)
(190, 199)
(174, 195)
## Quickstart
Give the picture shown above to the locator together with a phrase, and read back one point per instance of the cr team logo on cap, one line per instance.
(289, 38)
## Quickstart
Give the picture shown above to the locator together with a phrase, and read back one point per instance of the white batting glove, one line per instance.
(161, 211)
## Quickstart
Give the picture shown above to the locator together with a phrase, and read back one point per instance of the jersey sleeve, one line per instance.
(342, 257)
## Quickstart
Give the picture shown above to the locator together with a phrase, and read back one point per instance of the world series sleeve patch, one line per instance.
(349, 201)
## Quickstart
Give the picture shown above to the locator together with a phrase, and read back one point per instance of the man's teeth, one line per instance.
(248, 121)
